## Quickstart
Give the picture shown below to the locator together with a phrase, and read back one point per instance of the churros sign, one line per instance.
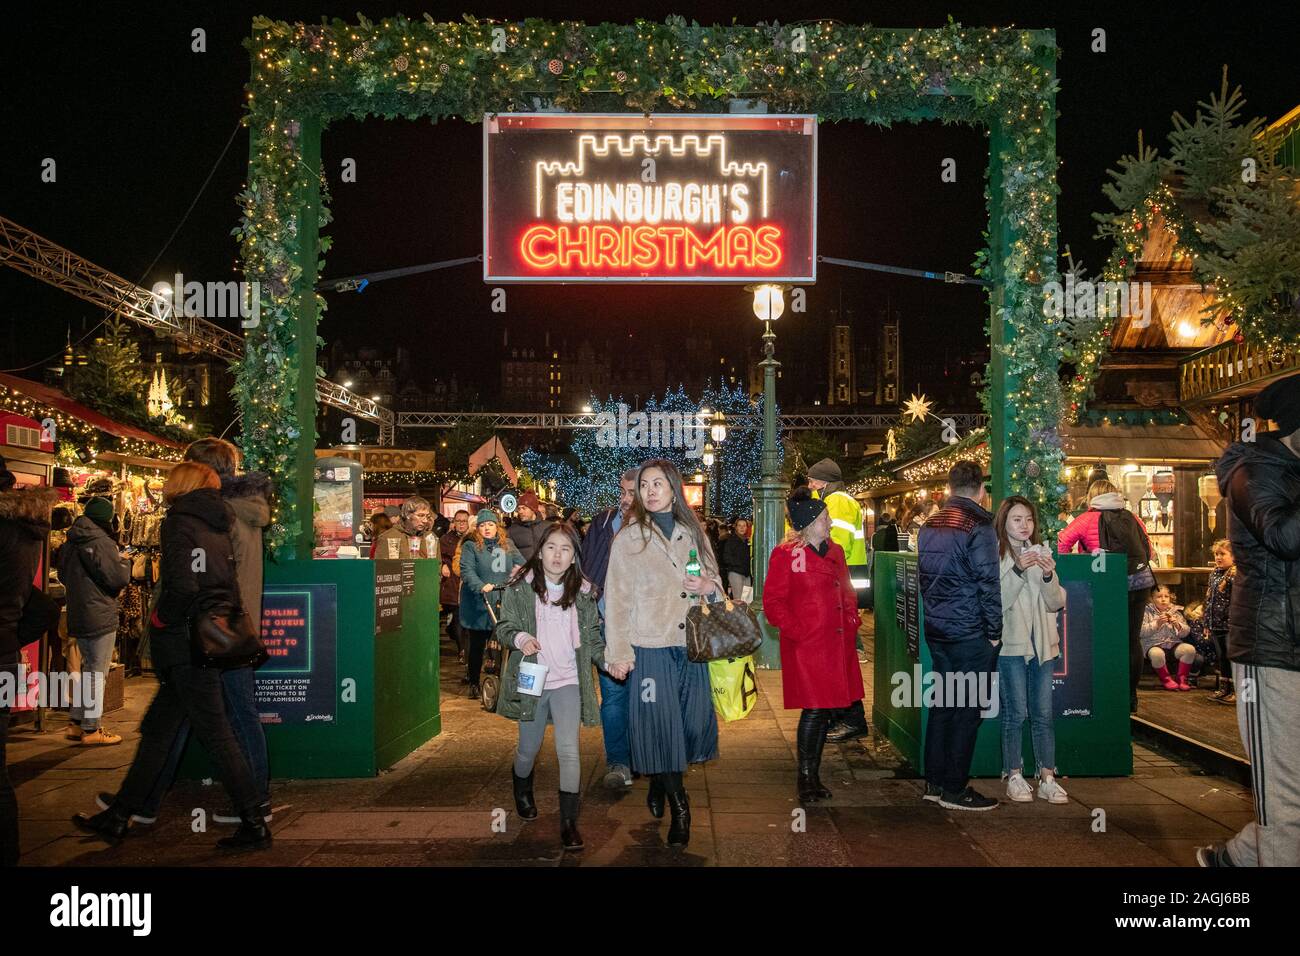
(662, 198)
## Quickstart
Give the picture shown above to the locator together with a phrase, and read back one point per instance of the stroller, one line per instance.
(494, 665)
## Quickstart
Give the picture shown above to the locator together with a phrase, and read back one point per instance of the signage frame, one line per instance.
(489, 119)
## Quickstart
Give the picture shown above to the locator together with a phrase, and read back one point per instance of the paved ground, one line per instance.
(436, 807)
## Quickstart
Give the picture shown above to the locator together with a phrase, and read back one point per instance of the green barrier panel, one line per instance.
(370, 698)
(1093, 740)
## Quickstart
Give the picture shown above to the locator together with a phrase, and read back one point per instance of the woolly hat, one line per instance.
(99, 510)
(803, 509)
(1280, 402)
(531, 501)
(825, 470)
(485, 515)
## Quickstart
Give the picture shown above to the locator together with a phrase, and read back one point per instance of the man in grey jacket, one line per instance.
(93, 572)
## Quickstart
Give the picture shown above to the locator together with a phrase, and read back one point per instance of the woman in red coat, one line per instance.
(809, 598)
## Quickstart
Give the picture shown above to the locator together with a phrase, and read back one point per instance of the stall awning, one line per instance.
(54, 398)
(1161, 443)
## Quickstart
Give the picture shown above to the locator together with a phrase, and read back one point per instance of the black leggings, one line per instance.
(1137, 603)
(474, 655)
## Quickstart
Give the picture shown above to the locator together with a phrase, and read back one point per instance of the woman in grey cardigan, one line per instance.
(1032, 599)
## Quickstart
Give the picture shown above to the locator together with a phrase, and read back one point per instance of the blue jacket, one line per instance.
(961, 588)
(477, 568)
(595, 547)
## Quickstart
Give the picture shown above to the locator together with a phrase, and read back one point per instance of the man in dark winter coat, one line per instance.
(449, 592)
(1261, 481)
(613, 693)
(961, 592)
(93, 572)
(529, 526)
(24, 531)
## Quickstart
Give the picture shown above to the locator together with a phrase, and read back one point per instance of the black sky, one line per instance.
(135, 121)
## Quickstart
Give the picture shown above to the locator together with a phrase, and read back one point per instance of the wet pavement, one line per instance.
(449, 804)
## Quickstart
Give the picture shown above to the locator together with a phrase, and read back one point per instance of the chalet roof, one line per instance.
(1164, 443)
(1177, 298)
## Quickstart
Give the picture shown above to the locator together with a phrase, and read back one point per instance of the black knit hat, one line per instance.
(1280, 402)
(803, 508)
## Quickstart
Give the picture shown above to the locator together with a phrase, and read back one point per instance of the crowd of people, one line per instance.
(592, 619)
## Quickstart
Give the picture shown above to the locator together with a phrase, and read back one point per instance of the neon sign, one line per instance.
(661, 198)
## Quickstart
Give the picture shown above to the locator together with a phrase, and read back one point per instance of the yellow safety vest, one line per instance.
(848, 532)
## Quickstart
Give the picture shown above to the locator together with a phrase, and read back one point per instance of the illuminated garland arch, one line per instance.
(305, 76)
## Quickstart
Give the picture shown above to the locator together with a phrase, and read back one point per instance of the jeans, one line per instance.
(563, 706)
(96, 656)
(238, 689)
(196, 694)
(8, 800)
(1026, 690)
(613, 720)
(950, 735)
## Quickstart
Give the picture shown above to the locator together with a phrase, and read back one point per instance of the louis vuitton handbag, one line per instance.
(721, 630)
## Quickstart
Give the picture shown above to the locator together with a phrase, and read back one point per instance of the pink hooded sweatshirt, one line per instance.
(1084, 530)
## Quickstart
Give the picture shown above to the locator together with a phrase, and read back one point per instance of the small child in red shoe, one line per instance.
(1164, 629)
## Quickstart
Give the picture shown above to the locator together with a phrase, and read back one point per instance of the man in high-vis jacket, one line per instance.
(847, 531)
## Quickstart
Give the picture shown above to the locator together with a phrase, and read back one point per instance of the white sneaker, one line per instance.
(1051, 791)
(1018, 789)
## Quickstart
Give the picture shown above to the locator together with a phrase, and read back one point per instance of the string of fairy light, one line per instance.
(70, 432)
(399, 67)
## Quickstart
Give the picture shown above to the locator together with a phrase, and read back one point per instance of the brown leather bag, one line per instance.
(724, 629)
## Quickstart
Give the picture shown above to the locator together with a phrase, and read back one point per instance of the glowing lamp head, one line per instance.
(769, 302)
(708, 455)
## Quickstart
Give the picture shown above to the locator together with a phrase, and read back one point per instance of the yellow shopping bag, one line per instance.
(735, 686)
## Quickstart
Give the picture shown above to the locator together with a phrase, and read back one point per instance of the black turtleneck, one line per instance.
(664, 519)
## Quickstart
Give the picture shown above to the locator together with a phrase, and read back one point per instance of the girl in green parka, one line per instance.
(548, 616)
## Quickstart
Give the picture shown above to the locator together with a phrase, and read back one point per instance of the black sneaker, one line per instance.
(842, 730)
(967, 799)
(932, 792)
(1213, 856)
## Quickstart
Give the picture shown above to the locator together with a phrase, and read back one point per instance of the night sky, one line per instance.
(135, 122)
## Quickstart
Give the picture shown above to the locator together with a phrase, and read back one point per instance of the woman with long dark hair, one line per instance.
(1032, 600)
(648, 592)
(549, 619)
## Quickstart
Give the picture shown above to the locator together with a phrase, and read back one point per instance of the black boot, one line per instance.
(679, 804)
(810, 738)
(253, 834)
(655, 798)
(110, 825)
(524, 804)
(570, 838)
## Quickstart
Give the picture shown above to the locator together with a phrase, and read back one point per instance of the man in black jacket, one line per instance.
(1261, 481)
(961, 593)
(613, 693)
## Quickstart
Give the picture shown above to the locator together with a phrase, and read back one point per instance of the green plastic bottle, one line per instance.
(693, 565)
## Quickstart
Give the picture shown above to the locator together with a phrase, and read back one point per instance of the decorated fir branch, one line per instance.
(309, 73)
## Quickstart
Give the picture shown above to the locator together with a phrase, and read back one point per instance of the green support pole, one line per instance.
(769, 502)
(303, 350)
(1001, 415)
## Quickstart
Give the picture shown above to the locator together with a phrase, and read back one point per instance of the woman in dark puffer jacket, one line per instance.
(198, 574)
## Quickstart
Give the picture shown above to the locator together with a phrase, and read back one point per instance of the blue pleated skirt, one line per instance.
(672, 722)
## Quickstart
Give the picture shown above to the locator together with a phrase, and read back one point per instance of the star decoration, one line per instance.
(917, 408)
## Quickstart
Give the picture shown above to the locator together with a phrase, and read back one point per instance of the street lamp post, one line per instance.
(770, 490)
